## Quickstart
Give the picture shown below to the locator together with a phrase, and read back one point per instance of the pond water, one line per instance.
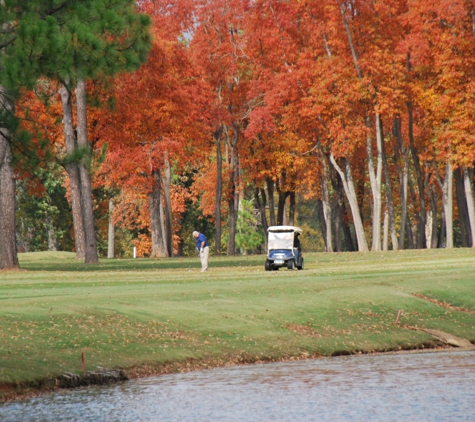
(430, 386)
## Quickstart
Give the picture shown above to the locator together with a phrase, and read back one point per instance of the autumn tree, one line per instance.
(218, 46)
(274, 143)
(91, 39)
(157, 111)
(440, 44)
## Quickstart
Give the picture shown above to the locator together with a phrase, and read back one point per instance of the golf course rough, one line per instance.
(148, 316)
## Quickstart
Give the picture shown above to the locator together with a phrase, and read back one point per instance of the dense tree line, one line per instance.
(364, 108)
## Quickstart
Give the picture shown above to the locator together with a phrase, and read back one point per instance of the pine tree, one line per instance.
(72, 42)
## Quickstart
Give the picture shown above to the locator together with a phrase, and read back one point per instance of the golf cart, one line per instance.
(281, 251)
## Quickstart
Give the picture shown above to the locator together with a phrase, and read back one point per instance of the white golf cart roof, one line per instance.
(281, 237)
(284, 229)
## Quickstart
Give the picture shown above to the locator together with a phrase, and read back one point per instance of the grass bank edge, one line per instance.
(22, 390)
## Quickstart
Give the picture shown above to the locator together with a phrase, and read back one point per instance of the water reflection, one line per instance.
(413, 387)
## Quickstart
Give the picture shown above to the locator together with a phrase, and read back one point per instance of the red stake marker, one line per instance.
(82, 361)
(398, 315)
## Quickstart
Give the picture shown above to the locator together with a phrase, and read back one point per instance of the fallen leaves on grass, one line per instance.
(303, 329)
(443, 304)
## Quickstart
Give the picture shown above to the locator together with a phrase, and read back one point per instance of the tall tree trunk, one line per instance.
(73, 173)
(281, 207)
(327, 211)
(443, 230)
(321, 220)
(429, 231)
(163, 229)
(8, 247)
(409, 233)
(433, 204)
(464, 221)
(51, 234)
(375, 176)
(405, 230)
(292, 205)
(167, 180)
(111, 233)
(233, 194)
(447, 202)
(78, 220)
(417, 168)
(468, 183)
(352, 199)
(338, 212)
(232, 222)
(159, 249)
(389, 197)
(261, 202)
(349, 242)
(337, 220)
(385, 230)
(403, 180)
(23, 245)
(349, 187)
(219, 188)
(9, 254)
(270, 195)
(420, 182)
(84, 166)
(354, 53)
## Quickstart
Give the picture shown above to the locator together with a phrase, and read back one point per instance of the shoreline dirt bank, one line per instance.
(27, 390)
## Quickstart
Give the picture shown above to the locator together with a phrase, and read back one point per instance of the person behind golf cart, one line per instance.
(283, 248)
(297, 247)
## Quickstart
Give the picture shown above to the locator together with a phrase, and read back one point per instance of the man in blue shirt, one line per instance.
(203, 248)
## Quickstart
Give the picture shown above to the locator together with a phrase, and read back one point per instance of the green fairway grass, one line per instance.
(134, 313)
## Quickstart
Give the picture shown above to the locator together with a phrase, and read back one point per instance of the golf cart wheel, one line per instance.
(290, 264)
(300, 267)
(268, 266)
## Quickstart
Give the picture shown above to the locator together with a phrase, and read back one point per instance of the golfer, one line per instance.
(203, 248)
